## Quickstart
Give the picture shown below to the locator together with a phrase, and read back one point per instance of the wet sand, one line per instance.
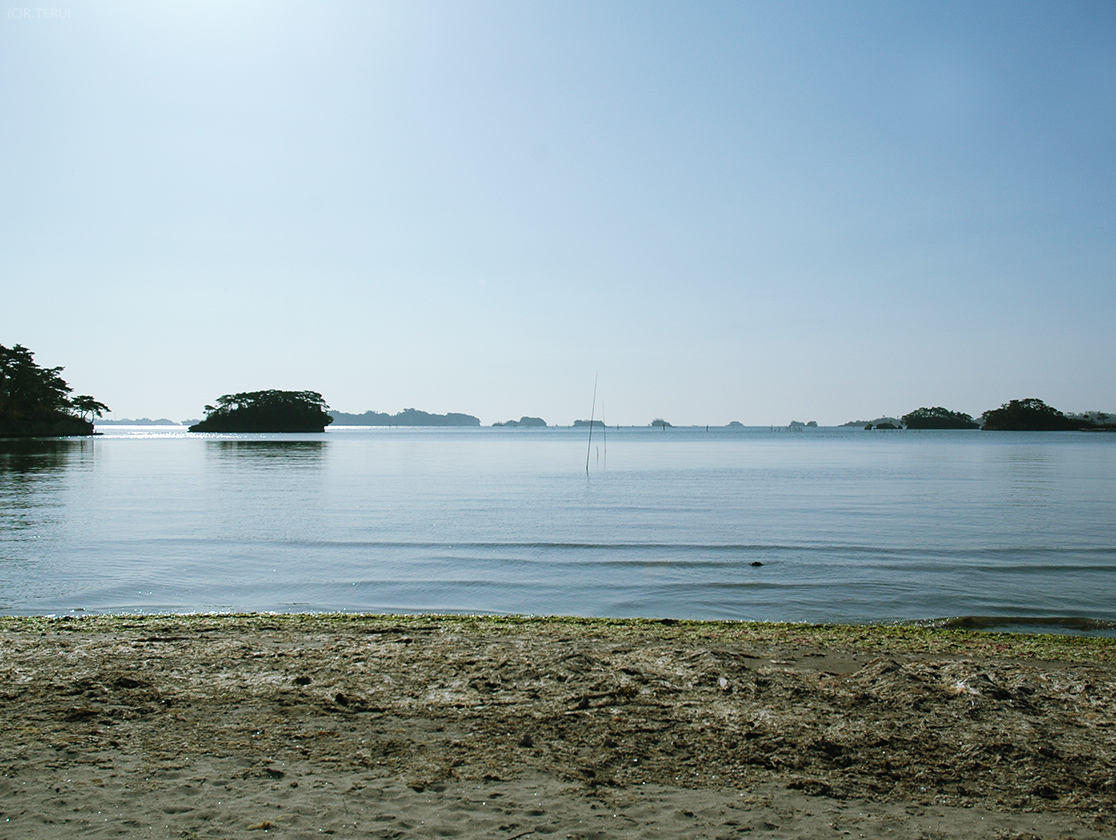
(420, 726)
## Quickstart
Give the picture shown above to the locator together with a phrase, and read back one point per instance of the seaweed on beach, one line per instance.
(902, 714)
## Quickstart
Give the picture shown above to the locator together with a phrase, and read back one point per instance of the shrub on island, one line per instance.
(266, 411)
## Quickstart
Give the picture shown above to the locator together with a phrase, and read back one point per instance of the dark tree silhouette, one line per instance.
(938, 418)
(1028, 415)
(266, 411)
(84, 405)
(35, 401)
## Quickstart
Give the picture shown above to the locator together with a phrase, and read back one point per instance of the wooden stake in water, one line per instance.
(604, 434)
(592, 414)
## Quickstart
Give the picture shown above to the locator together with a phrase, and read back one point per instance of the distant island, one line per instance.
(1102, 419)
(532, 422)
(36, 402)
(266, 411)
(142, 421)
(938, 418)
(884, 423)
(1028, 415)
(406, 417)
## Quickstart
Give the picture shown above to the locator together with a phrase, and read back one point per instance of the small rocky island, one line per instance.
(266, 411)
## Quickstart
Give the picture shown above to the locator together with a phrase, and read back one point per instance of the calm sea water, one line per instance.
(848, 525)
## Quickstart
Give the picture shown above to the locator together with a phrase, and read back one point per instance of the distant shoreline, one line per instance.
(502, 428)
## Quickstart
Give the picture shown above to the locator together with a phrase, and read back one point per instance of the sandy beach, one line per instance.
(420, 726)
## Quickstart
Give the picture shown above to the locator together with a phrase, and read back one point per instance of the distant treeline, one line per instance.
(144, 421)
(406, 417)
(1026, 415)
(36, 401)
(535, 422)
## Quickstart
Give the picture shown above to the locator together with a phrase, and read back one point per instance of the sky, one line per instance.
(718, 211)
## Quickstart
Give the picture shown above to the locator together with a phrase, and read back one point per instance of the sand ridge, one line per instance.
(387, 726)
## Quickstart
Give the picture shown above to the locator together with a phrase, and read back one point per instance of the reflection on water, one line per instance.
(265, 490)
(1031, 474)
(28, 456)
(841, 526)
(289, 452)
(35, 476)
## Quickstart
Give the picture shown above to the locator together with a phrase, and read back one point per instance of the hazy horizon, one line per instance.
(112, 418)
(759, 211)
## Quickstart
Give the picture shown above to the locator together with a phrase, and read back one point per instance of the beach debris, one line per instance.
(1000, 722)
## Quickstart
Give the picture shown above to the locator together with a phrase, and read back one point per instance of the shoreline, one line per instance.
(977, 634)
(419, 725)
(991, 625)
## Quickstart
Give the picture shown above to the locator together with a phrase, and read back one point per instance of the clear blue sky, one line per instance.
(753, 211)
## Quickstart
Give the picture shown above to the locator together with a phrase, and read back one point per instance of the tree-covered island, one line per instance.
(939, 418)
(406, 417)
(1028, 415)
(266, 411)
(529, 422)
(36, 402)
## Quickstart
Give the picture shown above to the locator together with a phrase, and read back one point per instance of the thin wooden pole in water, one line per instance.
(592, 414)
(604, 434)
